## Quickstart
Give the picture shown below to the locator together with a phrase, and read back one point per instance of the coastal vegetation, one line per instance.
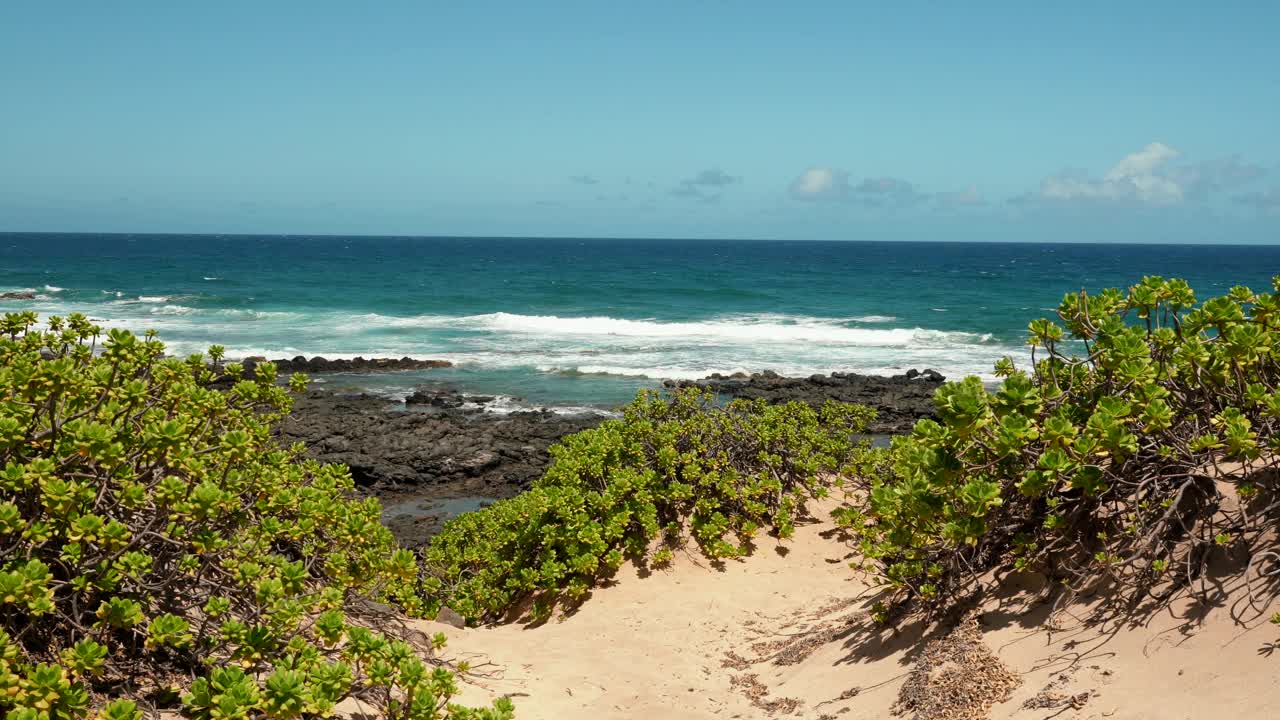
(1139, 447)
(160, 548)
(672, 467)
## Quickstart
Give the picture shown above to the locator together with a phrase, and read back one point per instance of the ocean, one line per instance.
(584, 323)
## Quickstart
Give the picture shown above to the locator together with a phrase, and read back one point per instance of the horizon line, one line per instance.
(626, 238)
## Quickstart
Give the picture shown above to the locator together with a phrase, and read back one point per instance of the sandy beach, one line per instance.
(786, 633)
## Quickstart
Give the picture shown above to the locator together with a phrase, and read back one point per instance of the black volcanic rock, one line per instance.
(449, 399)
(318, 364)
(388, 447)
(899, 400)
(431, 449)
(436, 398)
(440, 449)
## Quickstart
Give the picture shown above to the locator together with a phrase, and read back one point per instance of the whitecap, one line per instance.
(750, 329)
(247, 314)
(763, 328)
(172, 310)
(368, 320)
(650, 373)
(53, 288)
(506, 405)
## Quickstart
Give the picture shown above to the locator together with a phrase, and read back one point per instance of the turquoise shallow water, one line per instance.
(581, 322)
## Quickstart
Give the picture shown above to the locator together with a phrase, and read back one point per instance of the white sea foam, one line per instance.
(651, 373)
(737, 329)
(172, 310)
(53, 289)
(981, 368)
(498, 405)
(793, 345)
(506, 405)
(657, 373)
(751, 329)
(247, 314)
(374, 320)
(145, 299)
(212, 278)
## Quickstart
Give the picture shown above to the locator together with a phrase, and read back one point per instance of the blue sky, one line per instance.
(825, 120)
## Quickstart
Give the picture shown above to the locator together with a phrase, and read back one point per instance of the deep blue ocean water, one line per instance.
(582, 322)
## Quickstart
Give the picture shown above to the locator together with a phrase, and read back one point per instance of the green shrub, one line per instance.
(670, 465)
(158, 546)
(1129, 463)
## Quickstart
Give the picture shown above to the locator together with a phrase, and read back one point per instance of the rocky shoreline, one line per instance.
(899, 400)
(317, 364)
(438, 448)
(439, 451)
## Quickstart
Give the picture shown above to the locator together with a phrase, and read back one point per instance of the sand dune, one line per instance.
(785, 633)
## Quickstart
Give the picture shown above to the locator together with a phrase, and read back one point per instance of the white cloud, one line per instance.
(1147, 178)
(830, 184)
(821, 183)
(1144, 163)
(1138, 178)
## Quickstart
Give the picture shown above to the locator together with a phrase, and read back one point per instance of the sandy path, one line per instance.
(656, 647)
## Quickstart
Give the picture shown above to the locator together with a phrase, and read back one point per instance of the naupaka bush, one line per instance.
(158, 548)
(1143, 436)
(671, 465)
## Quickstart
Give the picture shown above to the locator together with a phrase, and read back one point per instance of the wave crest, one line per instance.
(755, 329)
(172, 310)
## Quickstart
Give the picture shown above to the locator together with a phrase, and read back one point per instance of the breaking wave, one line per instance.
(555, 345)
(753, 329)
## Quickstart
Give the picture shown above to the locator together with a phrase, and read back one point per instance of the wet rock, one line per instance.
(899, 401)
(318, 364)
(929, 374)
(17, 296)
(428, 450)
(435, 398)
